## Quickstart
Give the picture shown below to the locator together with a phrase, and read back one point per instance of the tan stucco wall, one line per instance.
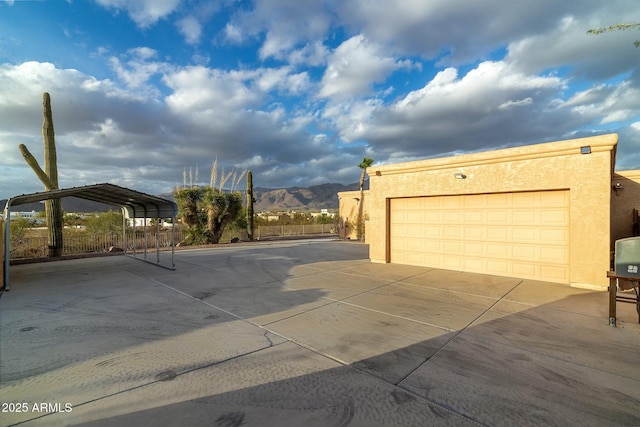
(623, 201)
(348, 212)
(548, 166)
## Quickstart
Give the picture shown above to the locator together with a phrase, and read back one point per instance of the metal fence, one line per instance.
(267, 231)
(84, 243)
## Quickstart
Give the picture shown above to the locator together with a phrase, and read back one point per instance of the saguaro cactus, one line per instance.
(49, 177)
(250, 201)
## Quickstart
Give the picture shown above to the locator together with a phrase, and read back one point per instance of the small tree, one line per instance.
(360, 227)
(206, 211)
(19, 228)
(105, 223)
(191, 212)
(222, 209)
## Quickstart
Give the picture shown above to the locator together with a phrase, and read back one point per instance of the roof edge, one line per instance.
(110, 194)
(569, 147)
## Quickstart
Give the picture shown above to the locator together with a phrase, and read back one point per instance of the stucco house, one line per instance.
(547, 212)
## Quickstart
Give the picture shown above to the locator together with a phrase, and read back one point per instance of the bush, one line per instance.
(105, 223)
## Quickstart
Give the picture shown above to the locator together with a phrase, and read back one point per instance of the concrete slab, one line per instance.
(481, 285)
(337, 284)
(507, 386)
(441, 308)
(283, 385)
(307, 333)
(388, 347)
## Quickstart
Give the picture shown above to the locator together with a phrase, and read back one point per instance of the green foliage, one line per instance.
(72, 220)
(325, 219)
(365, 163)
(616, 27)
(19, 227)
(195, 235)
(105, 223)
(223, 209)
(240, 222)
(189, 201)
(206, 211)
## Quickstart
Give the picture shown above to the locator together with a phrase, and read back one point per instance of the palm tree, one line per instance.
(360, 230)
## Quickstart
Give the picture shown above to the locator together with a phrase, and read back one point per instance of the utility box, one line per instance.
(627, 257)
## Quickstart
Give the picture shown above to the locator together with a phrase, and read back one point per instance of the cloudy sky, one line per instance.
(299, 91)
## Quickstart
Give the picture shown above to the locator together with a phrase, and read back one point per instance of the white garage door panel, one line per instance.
(513, 234)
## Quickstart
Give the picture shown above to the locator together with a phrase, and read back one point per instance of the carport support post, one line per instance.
(144, 232)
(135, 238)
(124, 229)
(7, 243)
(173, 241)
(157, 241)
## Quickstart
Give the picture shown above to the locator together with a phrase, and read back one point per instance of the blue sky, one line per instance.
(299, 91)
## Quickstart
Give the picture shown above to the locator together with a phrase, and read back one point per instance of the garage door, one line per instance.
(509, 234)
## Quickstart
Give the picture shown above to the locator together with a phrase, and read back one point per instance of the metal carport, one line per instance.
(134, 204)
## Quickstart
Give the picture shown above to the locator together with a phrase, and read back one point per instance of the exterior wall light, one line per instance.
(617, 187)
(585, 150)
(459, 175)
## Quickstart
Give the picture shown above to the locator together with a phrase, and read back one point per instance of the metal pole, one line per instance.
(613, 289)
(124, 229)
(135, 238)
(144, 231)
(173, 241)
(157, 240)
(7, 243)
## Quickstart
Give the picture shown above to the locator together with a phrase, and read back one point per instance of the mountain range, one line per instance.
(313, 198)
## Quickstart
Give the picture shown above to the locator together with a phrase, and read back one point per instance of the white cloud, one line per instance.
(285, 24)
(521, 102)
(354, 66)
(190, 28)
(138, 67)
(628, 152)
(233, 33)
(607, 103)
(594, 57)
(103, 134)
(144, 13)
(202, 91)
(210, 94)
(314, 54)
(465, 113)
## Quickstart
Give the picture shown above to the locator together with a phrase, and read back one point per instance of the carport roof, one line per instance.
(137, 204)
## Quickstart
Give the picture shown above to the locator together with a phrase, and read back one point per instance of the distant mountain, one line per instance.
(323, 196)
(69, 204)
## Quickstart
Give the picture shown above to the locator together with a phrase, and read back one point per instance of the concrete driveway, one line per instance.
(308, 333)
